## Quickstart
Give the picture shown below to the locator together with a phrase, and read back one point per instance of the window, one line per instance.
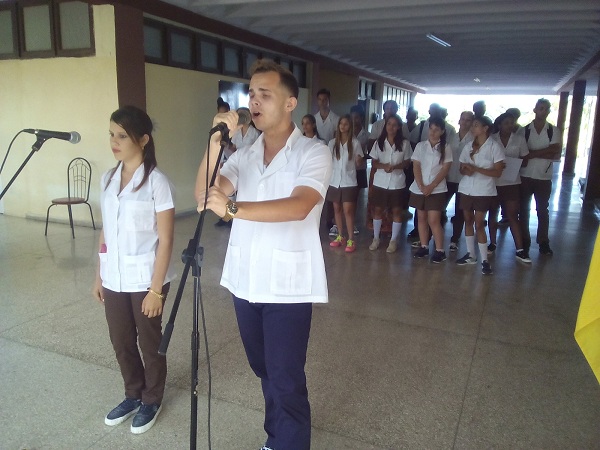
(74, 21)
(37, 30)
(231, 60)
(181, 49)
(154, 42)
(9, 47)
(209, 59)
(250, 57)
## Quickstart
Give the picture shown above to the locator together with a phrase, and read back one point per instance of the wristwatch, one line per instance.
(231, 210)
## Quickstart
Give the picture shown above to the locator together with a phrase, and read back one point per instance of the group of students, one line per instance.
(424, 165)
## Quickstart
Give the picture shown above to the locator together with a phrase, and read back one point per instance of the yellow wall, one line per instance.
(63, 94)
(182, 104)
(343, 87)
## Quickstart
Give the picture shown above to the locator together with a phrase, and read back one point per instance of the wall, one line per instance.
(343, 87)
(63, 94)
(182, 104)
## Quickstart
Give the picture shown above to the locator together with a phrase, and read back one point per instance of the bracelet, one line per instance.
(161, 296)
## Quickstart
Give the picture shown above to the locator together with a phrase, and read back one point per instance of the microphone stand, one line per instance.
(34, 148)
(193, 257)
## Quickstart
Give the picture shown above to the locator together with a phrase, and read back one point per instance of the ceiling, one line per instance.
(513, 47)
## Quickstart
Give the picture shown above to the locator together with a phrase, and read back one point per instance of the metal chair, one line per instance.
(79, 174)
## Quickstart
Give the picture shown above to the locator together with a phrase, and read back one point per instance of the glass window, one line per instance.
(299, 71)
(249, 58)
(231, 60)
(153, 42)
(181, 48)
(74, 25)
(209, 55)
(7, 33)
(38, 31)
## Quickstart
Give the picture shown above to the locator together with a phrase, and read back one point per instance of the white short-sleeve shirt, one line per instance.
(344, 169)
(277, 262)
(478, 184)
(457, 144)
(539, 168)
(326, 127)
(130, 229)
(429, 158)
(248, 139)
(515, 148)
(389, 155)
(363, 138)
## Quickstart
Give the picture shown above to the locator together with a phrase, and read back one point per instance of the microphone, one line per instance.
(73, 137)
(243, 119)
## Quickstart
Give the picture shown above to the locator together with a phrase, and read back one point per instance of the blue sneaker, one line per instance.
(122, 412)
(145, 418)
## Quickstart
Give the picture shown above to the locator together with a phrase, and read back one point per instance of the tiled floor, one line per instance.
(407, 354)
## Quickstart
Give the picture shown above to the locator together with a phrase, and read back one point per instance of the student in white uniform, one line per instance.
(390, 108)
(346, 153)
(274, 264)
(134, 271)
(431, 162)
(248, 133)
(358, 113)
(390, 156)
(326, 119)
(482, 160)
(514, 146)
(457, 143)
(309, 128)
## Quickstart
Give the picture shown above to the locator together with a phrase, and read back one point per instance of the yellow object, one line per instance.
(587, 330)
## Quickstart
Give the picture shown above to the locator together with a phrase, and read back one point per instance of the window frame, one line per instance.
(24, 53)
(12, 8)
(170, 31)
(90, 51)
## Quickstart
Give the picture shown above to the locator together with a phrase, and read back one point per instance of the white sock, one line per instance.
(471, 245)
(377, 227)
(396, 230)
(483, 251)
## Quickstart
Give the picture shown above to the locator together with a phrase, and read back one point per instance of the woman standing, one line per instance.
(309, 128)
(431, 162)
(514, 146)
(343, 189)
(481, 162)
(390, 156)
(133, 275)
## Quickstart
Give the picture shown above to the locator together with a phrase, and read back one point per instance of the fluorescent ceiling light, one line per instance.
(437, 40)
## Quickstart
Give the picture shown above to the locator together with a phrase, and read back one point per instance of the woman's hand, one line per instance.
(152, 306)
(427, 190)
(97, 290)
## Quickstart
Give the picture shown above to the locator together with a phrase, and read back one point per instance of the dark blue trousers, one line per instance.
(275, 338)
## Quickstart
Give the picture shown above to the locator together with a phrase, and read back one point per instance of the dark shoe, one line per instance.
(453, 246)
(491, 249)
(145, 418)
(421, 253)
(545, 249)
(438, 257)
(467, 259)
(121, 413)
(414, 234)
(523, 256)
(504, 222)
(486, 269)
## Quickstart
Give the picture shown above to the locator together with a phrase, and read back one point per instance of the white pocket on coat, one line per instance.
(232, 265)
(103, 266)
(291, 273)
(138, 269)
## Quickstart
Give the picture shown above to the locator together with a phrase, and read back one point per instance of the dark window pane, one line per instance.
(74, 25)
(231, 60)
(7, 43)
(181, 48)
(209, 55)
(37, 28)
(153, 42)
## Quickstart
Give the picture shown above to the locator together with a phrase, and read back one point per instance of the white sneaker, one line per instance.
(333, 231)
(374, 245)
(392, 246)
(356, 230)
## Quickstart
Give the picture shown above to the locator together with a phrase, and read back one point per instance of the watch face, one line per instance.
(232, 207)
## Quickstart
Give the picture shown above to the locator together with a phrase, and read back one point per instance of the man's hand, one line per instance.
(217, 202)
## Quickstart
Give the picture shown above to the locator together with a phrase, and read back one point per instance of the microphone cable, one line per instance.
(9, 147)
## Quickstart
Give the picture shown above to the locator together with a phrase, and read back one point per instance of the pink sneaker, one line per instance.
(338, 241)
(350, 246)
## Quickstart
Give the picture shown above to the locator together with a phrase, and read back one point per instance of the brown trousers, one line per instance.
(143, 380)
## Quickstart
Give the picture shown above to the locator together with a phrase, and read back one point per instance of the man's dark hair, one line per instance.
(324, 91)
(287, 78)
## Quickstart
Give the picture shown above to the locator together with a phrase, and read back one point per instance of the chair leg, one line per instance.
(47, 215)
(91, 214)
(71, 221)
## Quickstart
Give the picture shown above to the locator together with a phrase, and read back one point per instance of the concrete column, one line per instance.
(574, 126)
(592, 186)
(562, 113)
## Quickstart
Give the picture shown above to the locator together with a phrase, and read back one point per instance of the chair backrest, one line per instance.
(79, 175)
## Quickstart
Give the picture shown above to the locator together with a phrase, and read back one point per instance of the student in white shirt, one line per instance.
(514, 146)
(134, 271)
(248, 133)
(326, 119)
(390, 108)
(431, 162)
(482, 160)
(343, 189)
(390, 156)
(358, 113)
(274, 264)
(309, 128)
(457, 143)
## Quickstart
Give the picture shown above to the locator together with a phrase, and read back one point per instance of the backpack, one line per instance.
(550, 131)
